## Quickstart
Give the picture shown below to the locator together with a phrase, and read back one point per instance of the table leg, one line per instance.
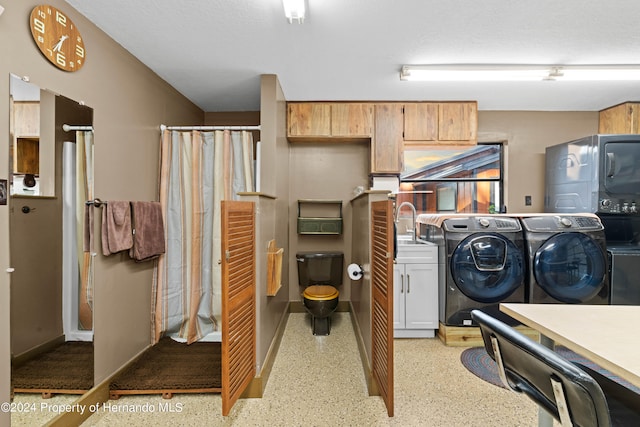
(544, 418)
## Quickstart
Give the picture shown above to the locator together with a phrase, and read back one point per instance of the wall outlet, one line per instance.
(527, 200)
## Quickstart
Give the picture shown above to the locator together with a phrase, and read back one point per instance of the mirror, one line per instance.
(51, 297)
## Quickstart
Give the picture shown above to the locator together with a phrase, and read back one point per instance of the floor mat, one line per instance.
(67, 367)
(479, 363)
(170, 365)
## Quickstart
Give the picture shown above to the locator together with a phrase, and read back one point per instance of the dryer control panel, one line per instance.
(562, 223)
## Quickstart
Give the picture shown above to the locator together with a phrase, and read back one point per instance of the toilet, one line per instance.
(319, 273)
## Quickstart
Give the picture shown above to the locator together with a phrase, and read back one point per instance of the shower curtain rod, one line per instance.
(68, 128)
(164, 127)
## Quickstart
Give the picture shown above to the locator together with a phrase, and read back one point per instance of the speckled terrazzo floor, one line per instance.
(319, 381)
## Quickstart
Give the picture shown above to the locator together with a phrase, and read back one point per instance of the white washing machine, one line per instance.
(481, 264)
(567, 259)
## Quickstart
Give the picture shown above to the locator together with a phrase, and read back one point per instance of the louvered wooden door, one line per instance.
(382, 299)
(238, 300)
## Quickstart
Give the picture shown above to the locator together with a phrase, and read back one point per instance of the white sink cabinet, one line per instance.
(415, 290)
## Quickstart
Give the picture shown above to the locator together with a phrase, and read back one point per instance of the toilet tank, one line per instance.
(323, 268)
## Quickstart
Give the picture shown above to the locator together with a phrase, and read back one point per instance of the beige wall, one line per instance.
(526, 134)
(325, 171)
(129, 102)
(272, 211)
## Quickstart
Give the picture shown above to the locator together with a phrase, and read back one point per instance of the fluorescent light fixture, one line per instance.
(505, 73)
(294, 10)
(592, 73)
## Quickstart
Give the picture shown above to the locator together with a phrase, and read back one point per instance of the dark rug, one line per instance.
(67, 367)
(170, 365)
(479, 363)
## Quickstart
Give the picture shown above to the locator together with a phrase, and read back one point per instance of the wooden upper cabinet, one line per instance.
(421, 121)
(309, 119)
(454, 123)
(329, 121)
(458, 121)
(386, 144)
(26, 118)
(25, 148)
(622, 118)
(351, 120)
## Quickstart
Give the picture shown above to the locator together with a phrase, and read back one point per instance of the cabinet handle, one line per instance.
(402, 283)
(408, 283)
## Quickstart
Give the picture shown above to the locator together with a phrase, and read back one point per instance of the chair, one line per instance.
(571, 393)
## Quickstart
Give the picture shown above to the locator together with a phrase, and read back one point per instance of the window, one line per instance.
(453, 179)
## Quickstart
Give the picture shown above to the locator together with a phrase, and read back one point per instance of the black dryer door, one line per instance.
(487, 267)
(570, 267)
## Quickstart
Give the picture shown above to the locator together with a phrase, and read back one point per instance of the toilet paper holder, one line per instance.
(355, 271)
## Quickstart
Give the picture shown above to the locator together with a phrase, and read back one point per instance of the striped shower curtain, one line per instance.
(198, 170)
(84, 192)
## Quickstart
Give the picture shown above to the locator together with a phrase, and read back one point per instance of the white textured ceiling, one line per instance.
(214, 51)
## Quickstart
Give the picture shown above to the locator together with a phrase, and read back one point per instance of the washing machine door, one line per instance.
(487, 267)
(570, 267)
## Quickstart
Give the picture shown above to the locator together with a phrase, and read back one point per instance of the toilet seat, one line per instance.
(320, 293)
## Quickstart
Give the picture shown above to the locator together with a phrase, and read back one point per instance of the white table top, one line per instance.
(608, 335)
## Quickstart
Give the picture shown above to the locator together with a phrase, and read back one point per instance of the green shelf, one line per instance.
(316, 224)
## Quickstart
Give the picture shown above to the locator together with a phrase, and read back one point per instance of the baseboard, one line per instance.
(366, 366)
(36, 351)
(256, 387)
(90, 403)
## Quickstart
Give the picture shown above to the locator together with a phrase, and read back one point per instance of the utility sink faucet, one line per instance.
(413, 218)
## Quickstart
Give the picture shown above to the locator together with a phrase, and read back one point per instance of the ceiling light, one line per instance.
(589, 72)
(503, 73)
(294, 10)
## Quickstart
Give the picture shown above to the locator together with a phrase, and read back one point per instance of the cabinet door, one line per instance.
(421, 296)
(309, 119)
(27, 156)
(458, 121)
(351, 120)
(26, 118)
(421, 121)
(398, 296)
(386, 144)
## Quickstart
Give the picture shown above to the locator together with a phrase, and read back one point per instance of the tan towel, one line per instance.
(148, 231)
(116, 227)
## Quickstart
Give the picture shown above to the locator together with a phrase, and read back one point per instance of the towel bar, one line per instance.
(95, 202)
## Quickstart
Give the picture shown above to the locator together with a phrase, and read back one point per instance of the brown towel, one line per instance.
(148, 231)
(116, 227)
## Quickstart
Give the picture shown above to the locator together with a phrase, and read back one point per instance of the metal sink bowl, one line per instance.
(416, 251)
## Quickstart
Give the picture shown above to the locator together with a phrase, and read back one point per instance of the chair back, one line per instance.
(567, 392)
